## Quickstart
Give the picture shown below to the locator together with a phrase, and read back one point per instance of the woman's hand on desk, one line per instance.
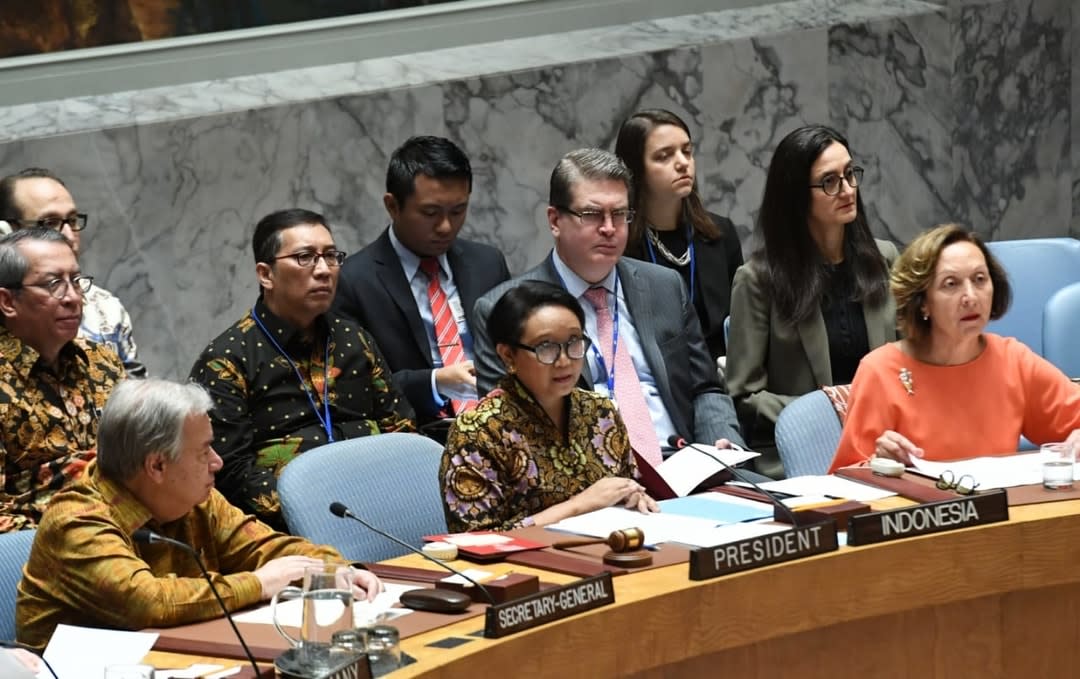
(641, 501)
(611, 491)
(897, 447)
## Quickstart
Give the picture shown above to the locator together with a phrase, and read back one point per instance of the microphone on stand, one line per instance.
(341, 511)
(677, 442)
(149, 537)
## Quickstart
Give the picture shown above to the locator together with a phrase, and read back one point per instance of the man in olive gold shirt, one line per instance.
(155, 468)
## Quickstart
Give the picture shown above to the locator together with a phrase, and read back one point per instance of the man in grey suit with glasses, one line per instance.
(649, 351)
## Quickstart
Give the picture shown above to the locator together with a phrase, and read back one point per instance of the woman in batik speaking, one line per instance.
(537, 449)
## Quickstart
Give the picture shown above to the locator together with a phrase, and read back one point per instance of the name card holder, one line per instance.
(549, 605)
(991, 506)
(763, 550)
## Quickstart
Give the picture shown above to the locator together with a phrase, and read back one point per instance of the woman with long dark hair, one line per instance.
(814, 297)
(671, 226)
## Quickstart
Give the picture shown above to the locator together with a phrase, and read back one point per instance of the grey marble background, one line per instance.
(959, 110)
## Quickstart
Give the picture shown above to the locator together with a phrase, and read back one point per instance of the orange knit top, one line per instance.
(960, 411)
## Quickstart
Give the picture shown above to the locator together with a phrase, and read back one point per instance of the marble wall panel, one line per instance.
(755, 92)
(889, 94)
(958, 111)
(1010, 90)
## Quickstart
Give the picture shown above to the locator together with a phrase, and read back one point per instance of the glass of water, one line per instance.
(1058, 463)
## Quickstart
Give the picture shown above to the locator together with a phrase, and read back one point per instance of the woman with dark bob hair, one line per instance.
(949, 389)
(671, 226)
(814, 297)
(537, 449)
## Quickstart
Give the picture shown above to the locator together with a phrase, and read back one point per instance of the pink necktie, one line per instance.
(628, 396)
(447, 337)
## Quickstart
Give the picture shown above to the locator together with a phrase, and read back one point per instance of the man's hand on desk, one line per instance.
(277, 574)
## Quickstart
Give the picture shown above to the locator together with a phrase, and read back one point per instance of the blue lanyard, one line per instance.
(324, 417)
(600, 362)
(693, 260)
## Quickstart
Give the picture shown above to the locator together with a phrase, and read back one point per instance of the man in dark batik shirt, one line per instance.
(288, 376)
(52, 383)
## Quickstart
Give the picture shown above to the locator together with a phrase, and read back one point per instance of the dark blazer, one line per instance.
(771, 363)
(715, 262)
(670, 337)
(373, 291)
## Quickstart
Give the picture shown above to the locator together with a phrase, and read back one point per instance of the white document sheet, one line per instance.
(1004, 471)
(658, 528)
(87, 651)
(828, 486)
(688, 467)
(290, 613)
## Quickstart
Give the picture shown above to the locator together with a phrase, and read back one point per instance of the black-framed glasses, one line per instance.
(58, 287)
(963, 485)
(548, 352)
(830, 183)
(333, 258)
(76, 220)
(594, 219)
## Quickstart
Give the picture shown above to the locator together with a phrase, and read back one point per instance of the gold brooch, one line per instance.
(905, 379)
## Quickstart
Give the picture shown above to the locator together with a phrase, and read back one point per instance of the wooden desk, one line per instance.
(995, 601)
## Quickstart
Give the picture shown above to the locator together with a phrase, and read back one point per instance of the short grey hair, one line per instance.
(144, 417)
(583, 164)
(13, 263)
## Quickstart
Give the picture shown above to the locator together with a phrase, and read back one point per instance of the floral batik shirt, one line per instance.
(106, 321)
(48, 421)
(506, 460)
(263, 416)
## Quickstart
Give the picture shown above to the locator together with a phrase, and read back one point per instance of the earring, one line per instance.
(511, 370)
(926, 317)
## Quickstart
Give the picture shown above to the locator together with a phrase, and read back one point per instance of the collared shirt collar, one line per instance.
(128, 511)
(281, 331)
(24, 357)
(410, 261)
(576, 285)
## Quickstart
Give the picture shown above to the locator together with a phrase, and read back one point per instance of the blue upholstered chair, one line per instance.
(1037, 268)
(807, 434)
(1061, 330)
(14, 551)
(389, 480)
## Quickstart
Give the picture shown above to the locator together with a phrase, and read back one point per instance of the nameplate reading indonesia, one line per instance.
(932, 517)
(549, 605)
(763, 550)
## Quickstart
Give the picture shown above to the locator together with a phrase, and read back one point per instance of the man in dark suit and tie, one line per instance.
(414, 288)
(646, 333)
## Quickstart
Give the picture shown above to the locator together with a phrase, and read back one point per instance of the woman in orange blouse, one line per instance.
(950, 390)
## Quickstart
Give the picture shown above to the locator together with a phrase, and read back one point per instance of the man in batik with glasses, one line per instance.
(289, 376)
(37, 197)
(52, 382)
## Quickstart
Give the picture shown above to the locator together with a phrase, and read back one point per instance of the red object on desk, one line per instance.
(487, 552)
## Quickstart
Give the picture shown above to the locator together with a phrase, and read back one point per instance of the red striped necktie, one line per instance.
(447, 337)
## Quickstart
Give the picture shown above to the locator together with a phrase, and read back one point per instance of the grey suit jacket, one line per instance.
(771, 363)
(671, 339)
(372, 290)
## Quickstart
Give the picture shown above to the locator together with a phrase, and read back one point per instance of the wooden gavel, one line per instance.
(625, 540)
